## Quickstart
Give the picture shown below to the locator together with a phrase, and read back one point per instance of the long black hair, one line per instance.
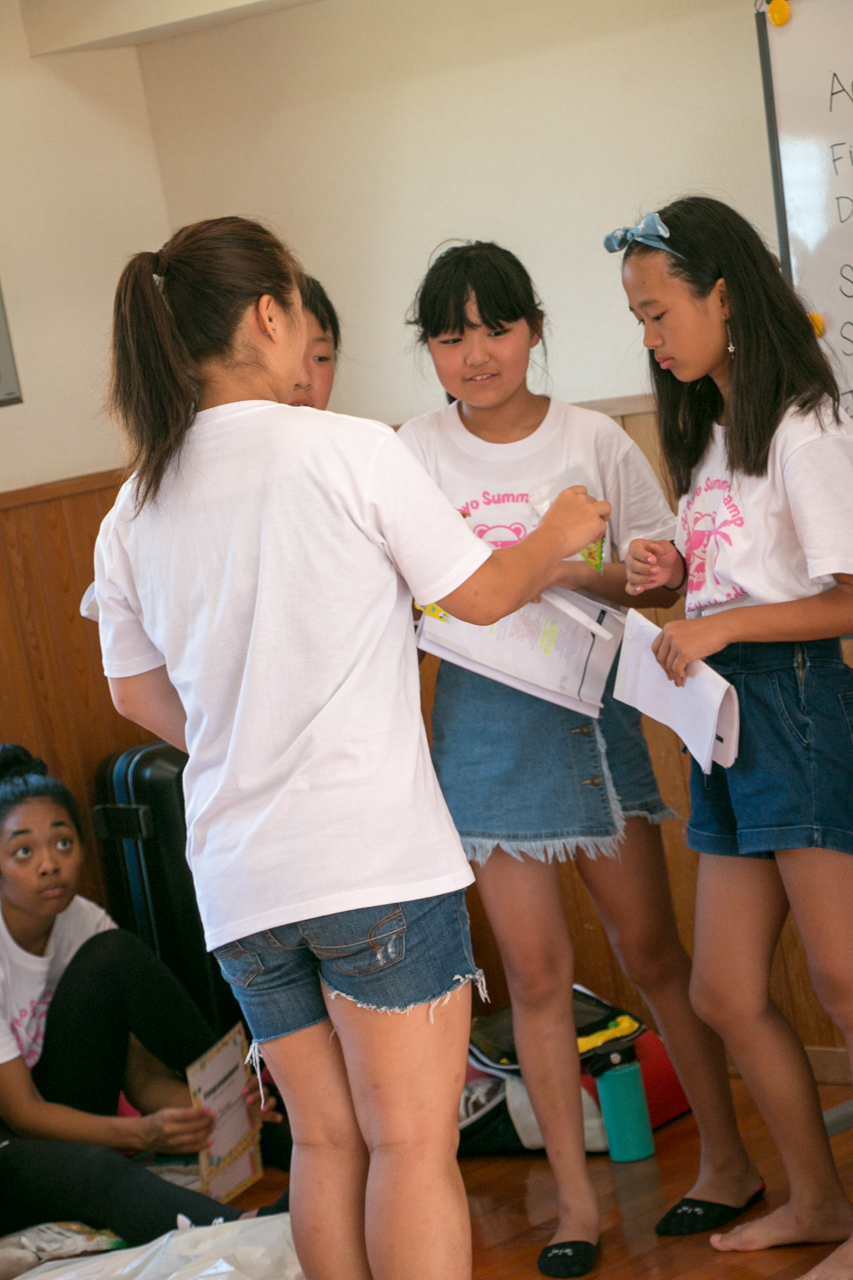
(24, 777)
(777, 361)
(495, 278)
(317, 301)
(174, 310)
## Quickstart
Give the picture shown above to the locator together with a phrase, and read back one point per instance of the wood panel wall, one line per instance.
(596, 965)
(54, 699)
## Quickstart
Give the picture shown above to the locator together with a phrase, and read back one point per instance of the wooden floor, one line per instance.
(513, 1208)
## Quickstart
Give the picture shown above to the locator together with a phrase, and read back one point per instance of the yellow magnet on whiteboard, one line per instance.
(778, 11)
(817, 323)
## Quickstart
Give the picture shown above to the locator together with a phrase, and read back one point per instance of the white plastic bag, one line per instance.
(249, 1249)
(24, 1250)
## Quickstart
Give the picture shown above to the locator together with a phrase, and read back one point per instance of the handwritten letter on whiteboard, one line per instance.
(811, 57)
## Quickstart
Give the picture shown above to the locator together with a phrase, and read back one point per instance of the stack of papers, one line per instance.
(560, 649)
(704, 712)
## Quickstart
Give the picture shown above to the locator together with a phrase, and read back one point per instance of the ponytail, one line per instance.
(174, 311)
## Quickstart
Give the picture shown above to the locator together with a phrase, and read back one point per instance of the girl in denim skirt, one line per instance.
(529, 783)
(761, 456)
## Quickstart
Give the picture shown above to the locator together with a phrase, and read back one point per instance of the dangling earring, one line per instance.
(731, 347)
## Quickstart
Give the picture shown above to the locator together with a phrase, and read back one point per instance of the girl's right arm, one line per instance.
(515, 575)
(25, 1111)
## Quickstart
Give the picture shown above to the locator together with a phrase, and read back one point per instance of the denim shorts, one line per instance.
(791, 786)
(389, 958)
(535, 778)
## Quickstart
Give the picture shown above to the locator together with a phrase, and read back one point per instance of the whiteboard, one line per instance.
(807, 65)
(10, 388)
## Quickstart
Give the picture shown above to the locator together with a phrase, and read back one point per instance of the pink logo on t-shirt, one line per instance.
(703, 535)
(501, 535)
(28, 1028)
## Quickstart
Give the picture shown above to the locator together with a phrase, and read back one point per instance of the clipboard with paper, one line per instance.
(704, 712)
(560, 648)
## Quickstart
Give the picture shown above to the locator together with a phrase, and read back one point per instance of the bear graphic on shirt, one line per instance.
(501, 535)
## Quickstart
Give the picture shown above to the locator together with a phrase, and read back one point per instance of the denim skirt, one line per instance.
(535, 778)
(791, 786)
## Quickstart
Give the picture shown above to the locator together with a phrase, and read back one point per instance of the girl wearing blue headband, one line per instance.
(761, 457)
(528, 782)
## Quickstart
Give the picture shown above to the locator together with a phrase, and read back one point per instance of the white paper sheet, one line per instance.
(560, 649)
(704, 712)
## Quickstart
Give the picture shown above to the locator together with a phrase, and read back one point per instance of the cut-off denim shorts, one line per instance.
(535, 778)
(791, 786)
(390, 958)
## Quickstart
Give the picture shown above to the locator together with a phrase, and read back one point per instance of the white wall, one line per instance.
(79, 191)
(54, 26)
(368, 131)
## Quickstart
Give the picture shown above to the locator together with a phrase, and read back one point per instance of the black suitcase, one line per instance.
(139, 819)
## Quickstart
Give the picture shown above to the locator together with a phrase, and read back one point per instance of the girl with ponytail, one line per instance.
(86, 1010)
(254, 584)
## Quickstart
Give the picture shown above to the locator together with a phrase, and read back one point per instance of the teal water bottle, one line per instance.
(623, 1104)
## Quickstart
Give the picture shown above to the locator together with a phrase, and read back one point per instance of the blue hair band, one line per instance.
(650, 230)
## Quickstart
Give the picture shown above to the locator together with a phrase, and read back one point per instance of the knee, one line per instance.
(114, 947)
(433, 1144)
(835, 992)
(101, 1164)
(651, 962)
(536, 981)
(726, 1006)
(333, 1130)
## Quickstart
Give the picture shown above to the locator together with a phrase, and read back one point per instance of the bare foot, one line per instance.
(580, 1222)
(726, 1186)
(822, 1224)
(838, 1266)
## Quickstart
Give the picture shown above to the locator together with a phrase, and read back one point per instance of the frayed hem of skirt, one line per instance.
(550, 848)
(547, 849)
(654, 819)
(459, 981)
(555, 849)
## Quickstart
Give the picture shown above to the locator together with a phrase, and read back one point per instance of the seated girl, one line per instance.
(86, 1011)
(313, 387)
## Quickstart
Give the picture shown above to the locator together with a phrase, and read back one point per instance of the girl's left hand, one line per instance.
(252, 1094)
(686, 641)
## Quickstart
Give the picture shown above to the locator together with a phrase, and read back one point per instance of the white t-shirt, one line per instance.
(273, 576)
(27, 982)
(777, 537)
(490, 483)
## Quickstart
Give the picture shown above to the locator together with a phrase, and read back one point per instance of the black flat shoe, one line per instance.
(568, 1258)
(689, 1217)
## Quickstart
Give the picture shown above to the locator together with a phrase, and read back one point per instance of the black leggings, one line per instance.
(114, 986)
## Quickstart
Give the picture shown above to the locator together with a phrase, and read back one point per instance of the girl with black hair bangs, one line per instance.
(761, 456)
(86, 1011)
(528, 782)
